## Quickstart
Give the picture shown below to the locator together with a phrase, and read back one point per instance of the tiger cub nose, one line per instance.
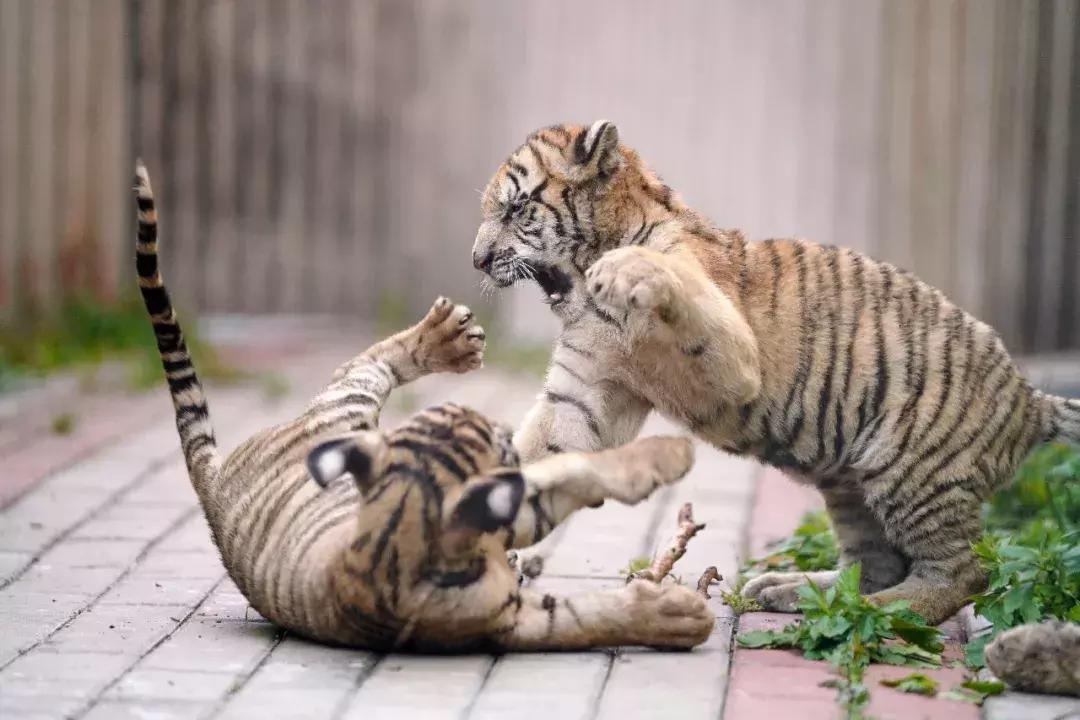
(482, 261)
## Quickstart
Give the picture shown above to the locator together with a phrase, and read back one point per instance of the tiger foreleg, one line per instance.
(447, 339)
(558, 485)
(639, 613)
(677, 319)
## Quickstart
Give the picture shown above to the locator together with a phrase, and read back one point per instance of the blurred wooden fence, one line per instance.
(324, 155)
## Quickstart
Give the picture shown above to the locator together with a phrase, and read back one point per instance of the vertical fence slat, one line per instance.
(12, 24)
(39, 270)
(322, 156)
(222, 140)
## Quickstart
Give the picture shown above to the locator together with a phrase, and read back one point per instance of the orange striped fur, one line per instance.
(349, 535)
(848, 373)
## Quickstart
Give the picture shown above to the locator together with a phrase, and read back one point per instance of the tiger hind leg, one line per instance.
(935, 531)
(639, 613)
(862, 540)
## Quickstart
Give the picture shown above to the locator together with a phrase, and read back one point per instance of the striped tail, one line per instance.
(192, 414)
(1064, 420)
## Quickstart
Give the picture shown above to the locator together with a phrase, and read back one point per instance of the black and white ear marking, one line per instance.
(599, 146)
(490, 503)
(332, 459)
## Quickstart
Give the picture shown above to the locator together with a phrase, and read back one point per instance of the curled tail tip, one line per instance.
(141, 185)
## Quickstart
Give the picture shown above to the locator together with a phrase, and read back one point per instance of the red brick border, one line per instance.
(781, 683)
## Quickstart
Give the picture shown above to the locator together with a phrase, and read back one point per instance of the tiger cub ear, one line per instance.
(361, 455)
(487, 503)
(595, 152)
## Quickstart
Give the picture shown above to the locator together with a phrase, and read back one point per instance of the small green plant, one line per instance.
(812, 546)
(1032, 552)
(975, 691)
(636, 565)
(275, 386)
(734, 599)
(916, 683)
(83, 333)
(63, 424)
(839, 625)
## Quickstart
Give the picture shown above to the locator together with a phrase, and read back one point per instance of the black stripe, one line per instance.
(573, 348)
(146, 264)
(590, 417)
(775, 263)
(830, 368)
(566, 369)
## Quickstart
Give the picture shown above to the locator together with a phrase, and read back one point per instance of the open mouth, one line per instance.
(555, 283)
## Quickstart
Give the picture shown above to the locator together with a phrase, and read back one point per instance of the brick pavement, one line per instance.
(113, 603)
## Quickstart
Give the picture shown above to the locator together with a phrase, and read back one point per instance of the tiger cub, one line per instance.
(410, 552)
(847, 373)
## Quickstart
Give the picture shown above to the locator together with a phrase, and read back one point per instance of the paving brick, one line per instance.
(227, 604)
(164, 564)
(142, 709)
(419, 687)
(614, 534)
(192, 535)
(569, 683)
(642, 686)
(189, 685)
(137, 522)
(172, 486)
(300, 680)
(40, 517)
(68, 674)
(119, 629)
(36, 707)
(1027, 706)
(137, 590)
(11, 562)
(203, 644)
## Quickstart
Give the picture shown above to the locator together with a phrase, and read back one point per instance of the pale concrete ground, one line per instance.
(113, 603)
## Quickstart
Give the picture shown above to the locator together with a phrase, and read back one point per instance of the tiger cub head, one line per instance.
(448, 472)
(560, 201)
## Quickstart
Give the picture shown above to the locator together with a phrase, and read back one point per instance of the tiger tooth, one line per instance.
(555, 297)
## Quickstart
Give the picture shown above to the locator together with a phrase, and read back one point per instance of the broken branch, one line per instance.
(711, 576)
(665, 561)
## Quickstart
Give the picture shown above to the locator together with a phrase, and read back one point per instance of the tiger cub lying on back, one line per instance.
(849, 374)
(411, 552)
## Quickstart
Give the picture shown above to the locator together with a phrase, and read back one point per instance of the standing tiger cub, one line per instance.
(410, 552)
(847, 373)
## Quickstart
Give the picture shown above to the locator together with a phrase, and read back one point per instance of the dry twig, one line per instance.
(662, 563)
(710, 577)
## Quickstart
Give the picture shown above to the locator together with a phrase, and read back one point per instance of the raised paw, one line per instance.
(671, 616)
(779, 591)
(632, 279)
(449, 339)
(638, 468)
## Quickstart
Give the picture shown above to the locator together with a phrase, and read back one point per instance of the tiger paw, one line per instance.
(635, 470)
(449, 340)
(668, 616)
(779, 591)
(633, 279)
